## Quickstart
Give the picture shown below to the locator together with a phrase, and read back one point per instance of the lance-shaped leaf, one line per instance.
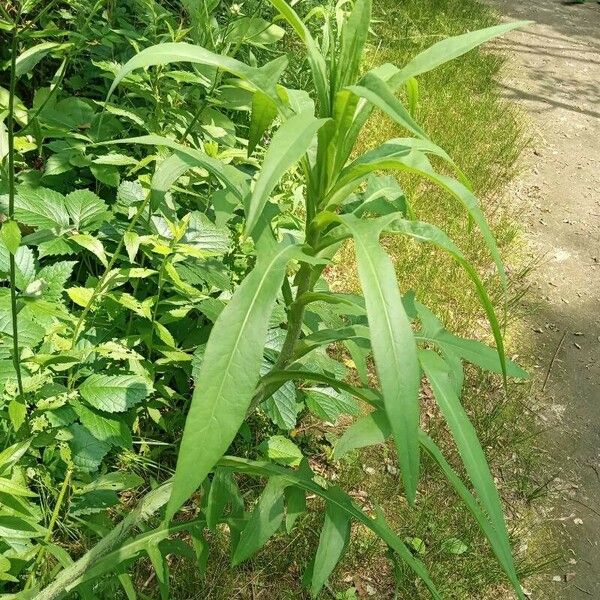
(316, 60)
(409, 156)
(472, 351)
(376, 91)
(342, 502)
(354, 38)
(449, 49)
(287, 147)
(466, 439)
(393, 343)
(333, 540)
(425, 232)
(265, 520)
(264, 111)
(498, 541)
(230, 371)
(263, 79)
(32, 56)
(427, 60)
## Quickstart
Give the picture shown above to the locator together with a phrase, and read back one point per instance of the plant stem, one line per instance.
(51, 525)
(10, 125)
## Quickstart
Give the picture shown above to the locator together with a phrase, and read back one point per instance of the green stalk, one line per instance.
(51, 525)
(10, 125)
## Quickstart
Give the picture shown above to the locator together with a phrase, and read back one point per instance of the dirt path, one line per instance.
(555, 77)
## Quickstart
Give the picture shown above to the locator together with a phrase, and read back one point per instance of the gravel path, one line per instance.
(554, 75)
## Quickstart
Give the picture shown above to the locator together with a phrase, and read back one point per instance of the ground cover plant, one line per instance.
(133, 273)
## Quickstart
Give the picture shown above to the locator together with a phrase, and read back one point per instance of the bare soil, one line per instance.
(554, 75)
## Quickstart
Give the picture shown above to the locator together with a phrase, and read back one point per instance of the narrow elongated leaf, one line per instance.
(405, 156)
(265, 520)
(354, 38)
(315, 58)
(295, 505)
(229, 372)
(217, 497)
(472, 351)
(298, 375)
(264, 78)
(132, 548)
(332, 543)
(451, 48)
(32, 56)
(367, 430)
(376, 91)
(264, 111)
(499, 543)
(7, 486)
(429, 233)
(288, 145)
(465, 436)
(393, 343)
(342, 502)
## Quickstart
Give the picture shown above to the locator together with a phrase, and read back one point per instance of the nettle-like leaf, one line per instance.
(41, 207)
(86, 209)
(114, 393)
(87, 452)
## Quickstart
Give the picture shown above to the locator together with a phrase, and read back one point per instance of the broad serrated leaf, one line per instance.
(93, 502)
(41, 207)
(55, 276)
(114, 393)
(86, 209)
(86, 451)
(111, 430)
(329, 404)
(280, 449)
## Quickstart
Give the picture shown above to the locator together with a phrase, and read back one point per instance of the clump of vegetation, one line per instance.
(131, 274)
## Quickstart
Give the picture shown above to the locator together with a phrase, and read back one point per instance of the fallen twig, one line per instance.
(553, 359)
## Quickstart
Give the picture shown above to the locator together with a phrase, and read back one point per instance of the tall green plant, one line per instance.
(242, 369)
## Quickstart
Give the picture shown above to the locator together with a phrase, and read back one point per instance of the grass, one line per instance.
(462, 110)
